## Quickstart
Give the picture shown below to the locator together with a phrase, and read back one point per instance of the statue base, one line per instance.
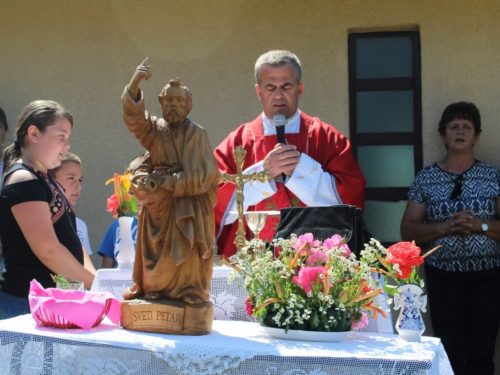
(167, 316)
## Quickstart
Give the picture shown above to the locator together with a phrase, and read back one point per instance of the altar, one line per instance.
(233, 347)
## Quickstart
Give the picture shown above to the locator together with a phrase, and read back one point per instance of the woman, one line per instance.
(4, 128)
(455, 203)
(37, 230)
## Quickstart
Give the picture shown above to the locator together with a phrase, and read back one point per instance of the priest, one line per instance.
(313, 166)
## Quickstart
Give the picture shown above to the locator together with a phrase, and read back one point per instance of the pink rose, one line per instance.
(317, 257)
(113, 204)
(347, 250)
(305, 239)
(334, 241)
(361, 323)
(309, 276)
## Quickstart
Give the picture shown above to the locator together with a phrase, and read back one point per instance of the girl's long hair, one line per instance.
(41, 113)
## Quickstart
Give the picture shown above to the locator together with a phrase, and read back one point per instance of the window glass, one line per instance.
(387, 166)
(385, 111)
(384, 57)
(391, 213)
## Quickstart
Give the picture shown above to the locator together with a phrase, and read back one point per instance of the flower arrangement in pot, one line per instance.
(399, 265)
(306, 284)
(121, 202)
(124, 207)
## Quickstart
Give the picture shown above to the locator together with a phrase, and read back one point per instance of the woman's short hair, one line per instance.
(461, 110)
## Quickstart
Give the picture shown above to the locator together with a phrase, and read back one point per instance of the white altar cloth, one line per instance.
(228, 299)
(233, 347)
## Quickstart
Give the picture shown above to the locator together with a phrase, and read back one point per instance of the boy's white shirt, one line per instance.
(83, 234)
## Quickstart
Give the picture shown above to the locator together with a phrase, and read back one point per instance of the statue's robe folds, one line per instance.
(176, 234)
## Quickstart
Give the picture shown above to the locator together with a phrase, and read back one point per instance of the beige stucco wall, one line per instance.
(82, 53)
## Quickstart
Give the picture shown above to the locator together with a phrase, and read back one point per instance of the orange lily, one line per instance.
(269, 301)
(431, 251)
(278, 289)
(379, 271)
(229, 264)
(116, 179)
(296, 259)
(376, 310)
(366, 295)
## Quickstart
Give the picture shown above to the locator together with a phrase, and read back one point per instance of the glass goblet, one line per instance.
(256, 221)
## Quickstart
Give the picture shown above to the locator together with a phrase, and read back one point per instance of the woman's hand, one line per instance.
(462, 222)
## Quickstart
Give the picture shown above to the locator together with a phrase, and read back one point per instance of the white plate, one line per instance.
(279, 333)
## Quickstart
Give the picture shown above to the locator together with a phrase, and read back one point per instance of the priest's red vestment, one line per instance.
(320, 141)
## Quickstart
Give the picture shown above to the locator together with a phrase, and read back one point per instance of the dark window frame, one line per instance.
(389, 194)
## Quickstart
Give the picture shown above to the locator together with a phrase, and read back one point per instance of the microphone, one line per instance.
(280, 122)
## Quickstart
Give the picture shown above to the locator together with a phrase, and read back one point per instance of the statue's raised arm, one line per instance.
(143, 71)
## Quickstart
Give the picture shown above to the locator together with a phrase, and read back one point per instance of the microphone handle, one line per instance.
(280, 132)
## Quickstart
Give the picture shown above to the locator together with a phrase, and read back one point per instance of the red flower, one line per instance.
(249, 306)
(113, 204)
(366, 289)
(407, 255)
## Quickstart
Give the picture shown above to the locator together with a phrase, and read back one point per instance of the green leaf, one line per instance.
(391, 289)
(132, 206)
(315, 319)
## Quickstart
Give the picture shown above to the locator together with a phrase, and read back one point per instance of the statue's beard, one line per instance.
(175, 117)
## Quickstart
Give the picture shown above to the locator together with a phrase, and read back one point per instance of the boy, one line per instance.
(70, 176)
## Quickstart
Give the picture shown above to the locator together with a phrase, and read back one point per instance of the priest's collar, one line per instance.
(292, 124)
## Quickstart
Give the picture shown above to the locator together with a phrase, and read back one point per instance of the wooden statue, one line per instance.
(178, 184)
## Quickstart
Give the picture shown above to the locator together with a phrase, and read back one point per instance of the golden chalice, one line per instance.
(256, 221)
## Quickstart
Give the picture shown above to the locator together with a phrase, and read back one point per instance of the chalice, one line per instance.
(256, 221)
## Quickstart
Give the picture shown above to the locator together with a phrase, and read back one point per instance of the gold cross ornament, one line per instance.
(240, 179)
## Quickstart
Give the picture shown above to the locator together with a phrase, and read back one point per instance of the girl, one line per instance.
(38, 226)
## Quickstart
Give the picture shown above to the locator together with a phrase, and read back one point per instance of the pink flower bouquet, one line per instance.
(311, 285)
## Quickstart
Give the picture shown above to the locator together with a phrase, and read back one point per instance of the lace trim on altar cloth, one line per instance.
(232, 348)
(235, 346)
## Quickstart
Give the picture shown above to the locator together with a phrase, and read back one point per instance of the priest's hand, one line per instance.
(282, 159)
(143, 71)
